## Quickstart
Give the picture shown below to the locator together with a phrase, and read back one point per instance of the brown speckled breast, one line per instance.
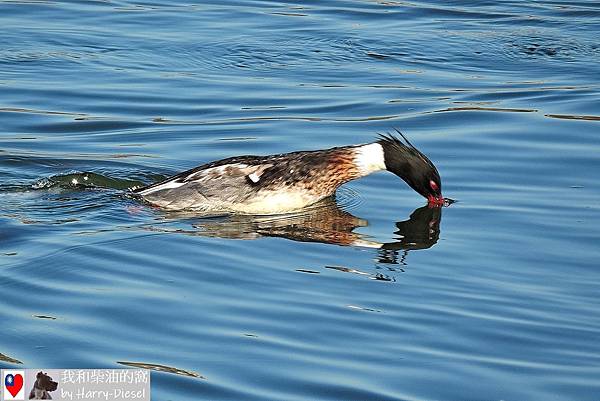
(319, 172)
(340, 169)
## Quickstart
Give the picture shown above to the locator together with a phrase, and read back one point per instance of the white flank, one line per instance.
(271, 202)
(369, 158)
(166, 185)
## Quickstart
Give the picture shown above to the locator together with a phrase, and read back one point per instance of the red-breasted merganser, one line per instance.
(290, 181)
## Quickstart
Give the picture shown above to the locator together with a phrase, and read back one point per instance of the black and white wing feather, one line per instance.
(204, 186)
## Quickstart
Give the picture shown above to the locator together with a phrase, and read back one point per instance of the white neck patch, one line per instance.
(369, 158)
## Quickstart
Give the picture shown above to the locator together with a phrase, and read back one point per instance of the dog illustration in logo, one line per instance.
(42, 387)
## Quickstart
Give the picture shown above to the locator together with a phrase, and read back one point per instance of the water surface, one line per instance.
(368, 297)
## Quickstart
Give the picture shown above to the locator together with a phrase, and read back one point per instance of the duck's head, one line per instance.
(408, 163)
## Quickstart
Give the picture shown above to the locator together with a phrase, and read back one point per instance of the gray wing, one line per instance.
(207, 188)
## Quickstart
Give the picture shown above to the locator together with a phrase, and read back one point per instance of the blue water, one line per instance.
(496, 298)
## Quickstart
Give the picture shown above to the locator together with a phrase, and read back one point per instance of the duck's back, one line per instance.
(256, 184)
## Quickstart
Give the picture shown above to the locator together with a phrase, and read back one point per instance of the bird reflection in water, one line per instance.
(420, 231)
(325, 223)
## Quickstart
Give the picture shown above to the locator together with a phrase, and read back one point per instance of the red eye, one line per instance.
(433, 185)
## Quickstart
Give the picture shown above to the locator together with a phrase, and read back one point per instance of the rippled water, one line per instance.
(495, 297)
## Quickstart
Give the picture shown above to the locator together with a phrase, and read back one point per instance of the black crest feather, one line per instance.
(403, 145)
(405, 160)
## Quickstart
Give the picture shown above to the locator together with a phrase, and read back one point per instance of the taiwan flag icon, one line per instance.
(13, 386)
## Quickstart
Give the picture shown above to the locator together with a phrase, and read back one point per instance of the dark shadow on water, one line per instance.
(161, 368)
(6, 358)
(324, 223)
